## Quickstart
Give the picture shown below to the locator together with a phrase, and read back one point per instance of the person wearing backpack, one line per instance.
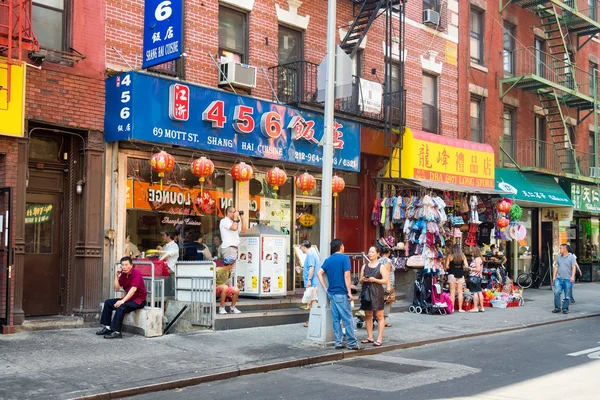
(373, 276)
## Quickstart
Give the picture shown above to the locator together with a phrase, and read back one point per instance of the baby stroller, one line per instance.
(427, 296)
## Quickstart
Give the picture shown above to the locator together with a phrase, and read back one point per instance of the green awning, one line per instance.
(531, 189)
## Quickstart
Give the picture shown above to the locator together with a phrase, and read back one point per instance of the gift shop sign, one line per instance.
(163, 27)
(585, 198)
(159, 110)
(443, 159)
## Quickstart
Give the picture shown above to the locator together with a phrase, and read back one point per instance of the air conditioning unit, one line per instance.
(237, 74)
(594, 172)
(431, 18)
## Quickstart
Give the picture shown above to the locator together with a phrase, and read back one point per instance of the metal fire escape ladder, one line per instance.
(559, 131)
(361, 24)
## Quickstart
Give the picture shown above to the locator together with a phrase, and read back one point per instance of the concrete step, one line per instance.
(248, 304)
(52, 322)
(256, 318)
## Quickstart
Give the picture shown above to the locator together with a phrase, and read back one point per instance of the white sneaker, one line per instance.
(234, 310)
(222, 310)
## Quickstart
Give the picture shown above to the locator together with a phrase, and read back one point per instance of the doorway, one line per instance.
(42, 271)
(546, 256)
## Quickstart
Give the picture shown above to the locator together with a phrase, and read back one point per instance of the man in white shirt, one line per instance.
(170, 251)
(230, 228)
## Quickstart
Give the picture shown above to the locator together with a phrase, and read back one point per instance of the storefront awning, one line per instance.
(455, 188)
(530, 189)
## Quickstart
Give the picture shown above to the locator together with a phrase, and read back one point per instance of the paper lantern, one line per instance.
(276, 177)
(305, 182)
(202, 167)
(502, 222)
(503, 206)
(337, 185)
(242, 172)
(162, 162)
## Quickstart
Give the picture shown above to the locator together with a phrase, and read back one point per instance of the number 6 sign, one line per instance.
(163, 27)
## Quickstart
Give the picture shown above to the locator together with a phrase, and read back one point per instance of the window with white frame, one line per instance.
(476, 43)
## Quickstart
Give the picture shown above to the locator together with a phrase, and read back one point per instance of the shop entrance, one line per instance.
(545, 257)
(41, 284)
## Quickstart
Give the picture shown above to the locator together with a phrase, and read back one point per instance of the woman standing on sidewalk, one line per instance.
(456, 263)
(373, 276)
(475, 277)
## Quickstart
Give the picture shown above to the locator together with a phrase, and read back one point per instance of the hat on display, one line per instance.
(390, 241)
(399, 246)
(229, 260)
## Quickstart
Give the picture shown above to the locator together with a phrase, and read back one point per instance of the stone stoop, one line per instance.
(147, 322)
(53, 322)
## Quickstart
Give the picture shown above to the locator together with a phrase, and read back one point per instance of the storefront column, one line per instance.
(19, 231)
(89, 244)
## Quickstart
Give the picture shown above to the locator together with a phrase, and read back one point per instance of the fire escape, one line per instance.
(16, 37)
(559, 84)
(296, 82)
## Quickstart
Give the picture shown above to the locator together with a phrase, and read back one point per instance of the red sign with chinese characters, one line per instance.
(179, 102)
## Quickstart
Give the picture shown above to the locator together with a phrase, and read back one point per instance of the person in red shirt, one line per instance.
(131, 280)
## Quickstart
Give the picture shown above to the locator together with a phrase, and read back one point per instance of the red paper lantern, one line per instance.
(337, 185)
(242, 172)
(202, 167)
(276, 177)
(503, 206)
(305, 182)
(162, 162)
(502, 222)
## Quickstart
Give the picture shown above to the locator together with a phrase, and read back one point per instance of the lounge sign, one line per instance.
(426, 156)
(159, 110)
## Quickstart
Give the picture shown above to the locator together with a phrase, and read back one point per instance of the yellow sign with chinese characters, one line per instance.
(438, 158)
(12, 113)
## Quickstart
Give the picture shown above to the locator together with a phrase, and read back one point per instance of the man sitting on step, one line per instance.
(131, 280)
(224, 290)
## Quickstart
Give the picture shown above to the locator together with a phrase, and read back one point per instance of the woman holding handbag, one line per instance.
(456, 263)
(373, 276)
(475, 277)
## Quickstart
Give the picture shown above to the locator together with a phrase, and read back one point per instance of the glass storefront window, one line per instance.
(180, 207)
(38, 228)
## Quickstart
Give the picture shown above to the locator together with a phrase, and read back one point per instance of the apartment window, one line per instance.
(509, 49)
(540, 136)
(509, 133)
(570, 167)
(592, 148)
(233, 35)
(540, 57)
(593, 67)
(430, 116)
(476, 45)
(567, 78)
(477, 120)
(592, 9)
(432, 5)
(49, 18)
(291, 46)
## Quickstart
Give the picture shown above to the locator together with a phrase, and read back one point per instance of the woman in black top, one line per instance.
(373, 276)
(456, 263)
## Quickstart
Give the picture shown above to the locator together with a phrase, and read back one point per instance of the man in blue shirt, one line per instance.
(337, 268)
(311, 264)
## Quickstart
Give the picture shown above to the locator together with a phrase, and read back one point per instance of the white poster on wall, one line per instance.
(247, 265)
(369, 96)
(274, 264)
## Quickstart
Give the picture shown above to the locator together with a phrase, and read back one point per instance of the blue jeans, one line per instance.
(342, 311)
(560, 286)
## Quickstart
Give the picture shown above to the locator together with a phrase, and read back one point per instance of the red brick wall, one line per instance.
(73, 96)
(493, 60)
(8, 178)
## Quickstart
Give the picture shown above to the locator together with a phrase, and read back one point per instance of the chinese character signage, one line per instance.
(426, 156)
(154, 109)
(557, 214)
(38, 213)
(585, 198)
(163, 27)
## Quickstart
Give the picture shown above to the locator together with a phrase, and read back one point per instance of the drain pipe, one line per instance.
(114, 174)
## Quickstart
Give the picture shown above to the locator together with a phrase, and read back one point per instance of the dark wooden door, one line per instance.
(41, 283)
(349, 220)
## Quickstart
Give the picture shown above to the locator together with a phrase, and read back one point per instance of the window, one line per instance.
(357, 64)
(540, 136)
(592, 9)
(540, 57)
(233, 35)
(395, 96)
(430, 117)
(431, 5)
(290, 48)
(509, 48)
(477, 120)
(567, 78)
(290, 71)
(570, 163)
(476, 19)
(592, 148)
(509, 133)
(49, 20)
(593, 74)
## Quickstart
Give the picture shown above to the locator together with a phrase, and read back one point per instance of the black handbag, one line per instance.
(365, 295)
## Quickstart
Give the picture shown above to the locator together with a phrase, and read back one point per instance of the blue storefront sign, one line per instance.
(163, 28)
(160, 110)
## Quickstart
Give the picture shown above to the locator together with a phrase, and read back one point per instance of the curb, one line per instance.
(304, 361)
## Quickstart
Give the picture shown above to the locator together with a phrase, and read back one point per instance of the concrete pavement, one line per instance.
(77, 363)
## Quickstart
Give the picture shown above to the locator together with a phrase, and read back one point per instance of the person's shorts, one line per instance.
(229, 297)
(474, 287)
(230, 252)
(452, 279)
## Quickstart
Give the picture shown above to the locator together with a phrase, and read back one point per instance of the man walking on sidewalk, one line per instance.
(131, 280)
(563, 278)
(337, 268)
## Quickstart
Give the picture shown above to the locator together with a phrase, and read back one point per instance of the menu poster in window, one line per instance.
(277, 214)
(247, 265)
(274, 264)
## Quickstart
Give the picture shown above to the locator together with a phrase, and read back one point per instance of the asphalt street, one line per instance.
(560, 361)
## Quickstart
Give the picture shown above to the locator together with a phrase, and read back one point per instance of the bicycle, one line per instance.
(534, 276)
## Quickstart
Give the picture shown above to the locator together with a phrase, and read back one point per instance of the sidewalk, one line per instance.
(77, 363)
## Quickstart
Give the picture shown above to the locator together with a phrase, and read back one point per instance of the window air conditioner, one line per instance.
(594, 172)
(237, 74)
(431, 17)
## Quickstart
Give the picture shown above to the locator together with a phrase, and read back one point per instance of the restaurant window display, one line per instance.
(180, 206)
